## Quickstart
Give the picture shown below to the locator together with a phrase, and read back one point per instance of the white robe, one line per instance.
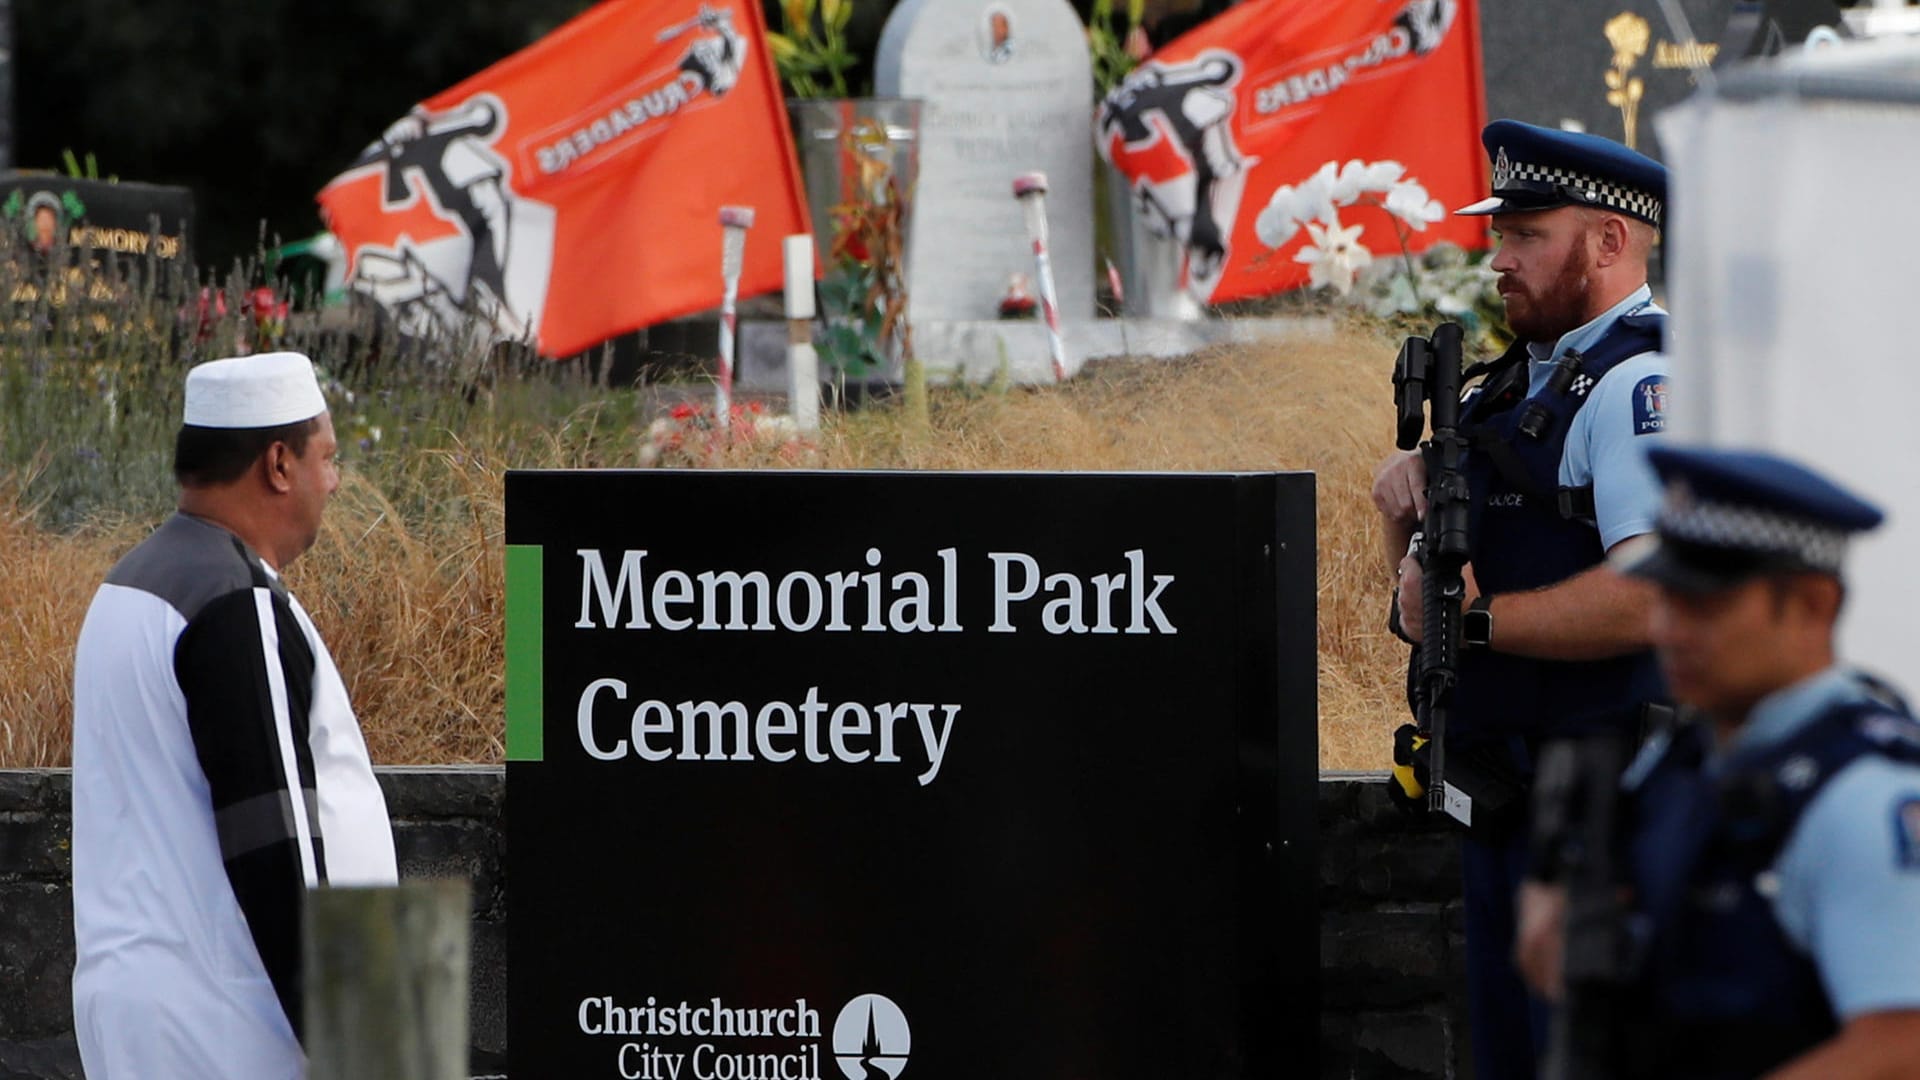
(168, 983)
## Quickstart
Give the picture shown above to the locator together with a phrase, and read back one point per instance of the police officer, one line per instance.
(1554, 640)
(1773, 841)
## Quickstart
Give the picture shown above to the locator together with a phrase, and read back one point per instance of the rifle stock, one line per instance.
(1591, 1036)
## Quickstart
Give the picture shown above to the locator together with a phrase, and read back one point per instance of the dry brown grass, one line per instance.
(413, 613)
(47, 581)
(409, 597)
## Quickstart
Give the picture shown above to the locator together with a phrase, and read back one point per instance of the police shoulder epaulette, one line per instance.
(1892, 732)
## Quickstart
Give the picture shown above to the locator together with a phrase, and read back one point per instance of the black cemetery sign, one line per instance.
(823, 775)
(1609, 67)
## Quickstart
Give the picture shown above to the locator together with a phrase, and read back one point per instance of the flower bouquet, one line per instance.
(691, 436)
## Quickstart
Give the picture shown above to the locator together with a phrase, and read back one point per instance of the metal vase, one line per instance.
(832, 172)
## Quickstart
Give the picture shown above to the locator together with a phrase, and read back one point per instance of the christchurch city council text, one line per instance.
(712, 1019)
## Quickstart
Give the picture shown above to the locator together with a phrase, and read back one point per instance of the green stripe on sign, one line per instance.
(526, 662)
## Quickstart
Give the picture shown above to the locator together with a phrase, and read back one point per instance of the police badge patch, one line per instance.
(1906, 833)
(1650, 405)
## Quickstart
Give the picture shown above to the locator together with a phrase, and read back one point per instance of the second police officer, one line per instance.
(1770, 898)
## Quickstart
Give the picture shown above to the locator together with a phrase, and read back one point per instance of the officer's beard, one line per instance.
(1558, 307)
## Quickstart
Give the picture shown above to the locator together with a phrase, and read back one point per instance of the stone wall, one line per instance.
(1390, 945)
(1392, 948)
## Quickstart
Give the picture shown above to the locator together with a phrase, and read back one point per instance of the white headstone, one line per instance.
(1008, 87)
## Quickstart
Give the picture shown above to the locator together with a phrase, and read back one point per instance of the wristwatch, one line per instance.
(1476, 623)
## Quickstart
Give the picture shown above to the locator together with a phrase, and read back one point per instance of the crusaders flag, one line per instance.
(1259, 100)
(572, 191)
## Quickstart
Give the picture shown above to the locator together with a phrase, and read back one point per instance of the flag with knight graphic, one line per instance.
(569, 192)
(1287, 138)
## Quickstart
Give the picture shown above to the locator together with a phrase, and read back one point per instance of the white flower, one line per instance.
(1335, 256)
(1381, 176)
(1357, 178)
(1333, 185)
(1409, 202)
(1346, 184)
(1314, 198)
(1278, 222)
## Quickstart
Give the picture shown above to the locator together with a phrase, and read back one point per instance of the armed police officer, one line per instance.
(1554, 641)
(1771, 841)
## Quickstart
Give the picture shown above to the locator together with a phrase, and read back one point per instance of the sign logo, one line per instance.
(871, 1039)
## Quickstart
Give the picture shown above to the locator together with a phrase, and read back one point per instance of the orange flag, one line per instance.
(1280, 137)
(571, 192)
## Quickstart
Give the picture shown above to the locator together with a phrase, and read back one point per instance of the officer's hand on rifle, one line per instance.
(1400, 488)
(1540, 944)
(1412, 619)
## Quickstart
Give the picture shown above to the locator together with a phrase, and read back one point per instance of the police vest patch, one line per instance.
(1906, 833)
(1650, 405)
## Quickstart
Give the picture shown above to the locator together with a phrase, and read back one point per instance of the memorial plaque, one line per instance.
(1609, 67)
(1008, 89)
(49, 213)
(862, 775)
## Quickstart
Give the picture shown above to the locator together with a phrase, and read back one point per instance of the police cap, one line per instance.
(1539, 168)
(1729, 515)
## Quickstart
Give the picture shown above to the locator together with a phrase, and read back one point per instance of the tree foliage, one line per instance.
(254, 104)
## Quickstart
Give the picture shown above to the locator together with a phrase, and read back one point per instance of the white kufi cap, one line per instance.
(260, 391)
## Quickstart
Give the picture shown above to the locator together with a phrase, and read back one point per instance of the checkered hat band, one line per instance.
(1763, 532)
(1597, 191)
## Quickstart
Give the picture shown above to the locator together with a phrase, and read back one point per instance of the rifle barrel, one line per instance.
(1443, 585)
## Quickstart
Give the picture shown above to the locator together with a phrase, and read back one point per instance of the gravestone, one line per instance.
(1609, 67)
(1008, 88)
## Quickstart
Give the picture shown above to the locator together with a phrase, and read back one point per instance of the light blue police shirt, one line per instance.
(1606, 444)
(1849, 875)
